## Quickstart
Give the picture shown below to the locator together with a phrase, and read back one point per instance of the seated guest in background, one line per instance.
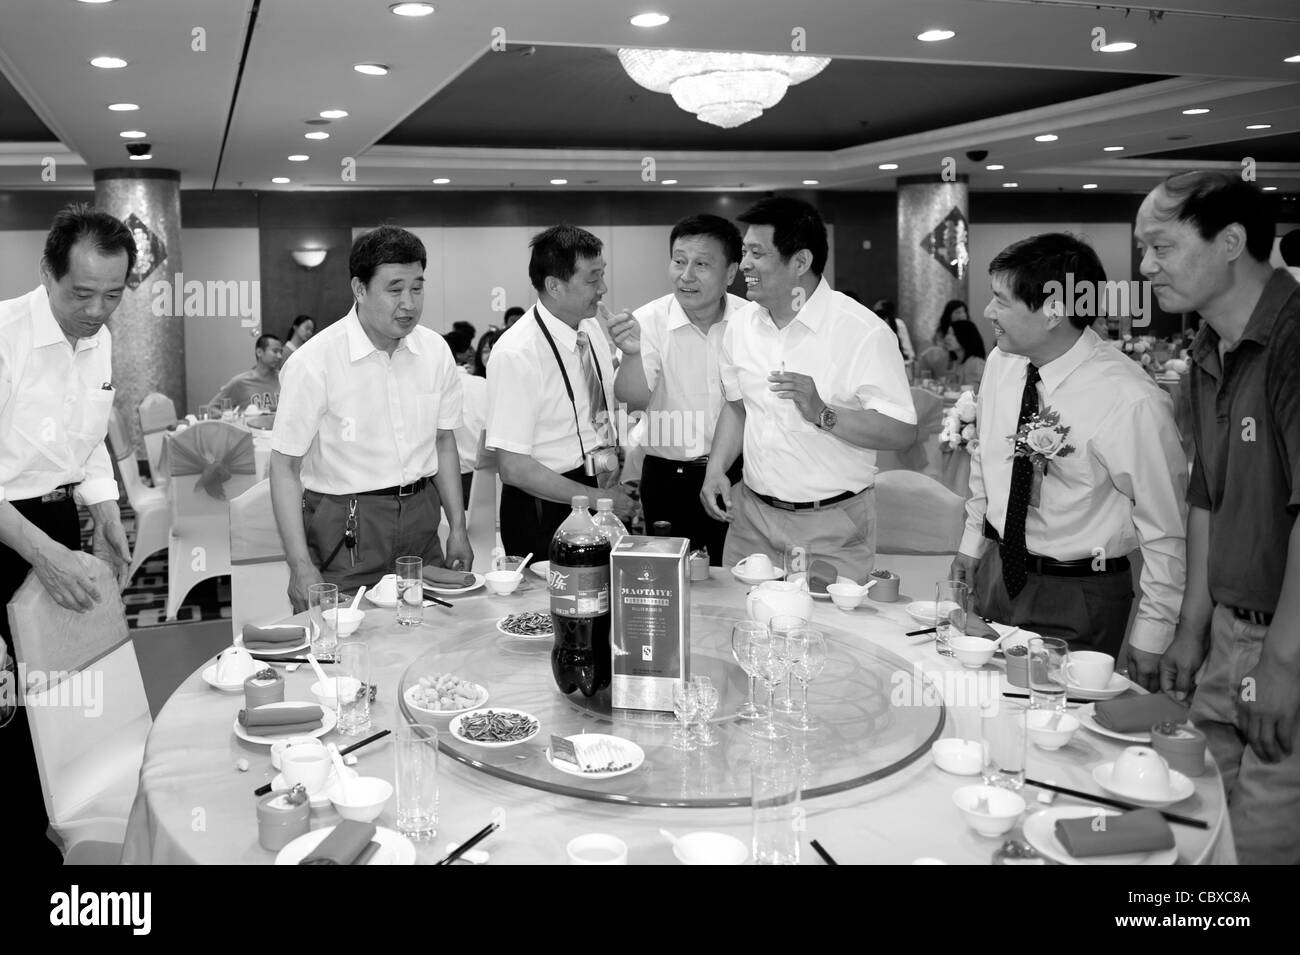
(936, 361)
(513, 314)
(1205, 240)
(814, 383)
(670, 370)
(303, 328)
(1289, 248)
(484, 350)
(262, 383)
(550, 395)
(887, 312)
(964, 341)
(364, 447)
(1058, 563)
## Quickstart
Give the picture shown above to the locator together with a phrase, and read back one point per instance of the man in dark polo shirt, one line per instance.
(1205, 241)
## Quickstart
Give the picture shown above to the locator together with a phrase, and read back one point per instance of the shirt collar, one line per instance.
(677, 317)
(46, 329)
(562, 333)
(1279, 288)
(1056, 371)
(814, 309)
(359, 343)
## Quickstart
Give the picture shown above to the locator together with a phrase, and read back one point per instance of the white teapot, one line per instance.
(775, 598)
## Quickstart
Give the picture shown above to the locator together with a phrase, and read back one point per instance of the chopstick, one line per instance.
(1025, 696)
(826, 856)
(918, 633)
(1118, 804)
(291, 659)
(438, 600)
(470, 843)
(264, 789)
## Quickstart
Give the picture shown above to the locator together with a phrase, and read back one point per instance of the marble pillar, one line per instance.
(933, 251)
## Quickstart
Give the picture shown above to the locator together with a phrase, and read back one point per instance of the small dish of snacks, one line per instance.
(444, 694)
(530, 625)
(494, 728)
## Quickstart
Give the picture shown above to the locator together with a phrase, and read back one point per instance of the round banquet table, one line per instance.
(195, 806)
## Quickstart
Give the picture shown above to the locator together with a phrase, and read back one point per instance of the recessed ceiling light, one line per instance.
(812, 182)
(648, 20)
(1090, 185)
(142, 158)
(298, 157)
(281, 180)
(123, 107)
(932, 36)
(1292, 59)
(994, 166)
(94, 1)
(371, 69)
(1112, 149)
(559, 182)
(441, 181)
(1260, 126)
(316, 135)
(1010, 185)
(1046, 138)
(669, 182)
(888, 165)
(333, 113)
(1197, 111)
(132, 134)
(411, 9)
(1270, 188)
(1121, 46)
(108, 62)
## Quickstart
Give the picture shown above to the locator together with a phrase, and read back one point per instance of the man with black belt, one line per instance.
(1105, 476)
(55, 398)
(1206, 239)
(550, 395)
(364, 447)
(809, 460)
(670, 371)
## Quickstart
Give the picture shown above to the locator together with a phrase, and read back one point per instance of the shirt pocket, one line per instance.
(38, 424)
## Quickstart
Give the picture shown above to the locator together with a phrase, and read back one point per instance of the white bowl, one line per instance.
(1004, 809)
(347, 620)
(279, 746)
(367, 797)
(972, 652)
(325, 694)
(1142, 772)
(502, 582)
(961, 757)
(846, 596)
(1045, 738)
(710, 848)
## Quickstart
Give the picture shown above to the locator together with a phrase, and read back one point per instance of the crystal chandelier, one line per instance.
(725, 89)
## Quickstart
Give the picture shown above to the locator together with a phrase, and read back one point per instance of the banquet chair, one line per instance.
(208, 463)
(87, 711)
(923, 455)
(153, 519)
(259, 573)
(915, 514)
(157, 414)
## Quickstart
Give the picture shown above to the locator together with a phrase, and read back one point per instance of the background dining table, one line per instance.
(195, 805)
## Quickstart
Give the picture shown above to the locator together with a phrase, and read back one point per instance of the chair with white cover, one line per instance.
(153, 518)
(87, 711)
(915, 514)
(259, 573)
(923, 454)
(208, 464)
(157, 415)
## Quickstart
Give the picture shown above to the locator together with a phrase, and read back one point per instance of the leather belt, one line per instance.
(404, 490)
(803, 505)
(1257, 617)
(699, 462)
(61, 493)
(1049, 567)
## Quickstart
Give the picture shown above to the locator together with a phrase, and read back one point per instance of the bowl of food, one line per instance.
(494, 728)
(445, 694)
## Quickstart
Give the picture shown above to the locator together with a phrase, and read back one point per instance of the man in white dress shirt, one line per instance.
(1060, 566)
(364, 446)
(55, 397)
(814, 384)
(550, 395)
(670, 371)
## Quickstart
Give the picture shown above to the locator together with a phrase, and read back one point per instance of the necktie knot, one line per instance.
(1031, 374)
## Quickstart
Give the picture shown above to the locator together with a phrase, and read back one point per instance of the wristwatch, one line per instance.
(826, 420)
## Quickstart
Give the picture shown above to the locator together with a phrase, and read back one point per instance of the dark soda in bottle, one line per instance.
(579, 587)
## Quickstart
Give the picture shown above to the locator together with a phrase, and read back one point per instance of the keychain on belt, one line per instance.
(350, 531)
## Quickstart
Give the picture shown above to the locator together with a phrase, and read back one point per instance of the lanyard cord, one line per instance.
(565, 375)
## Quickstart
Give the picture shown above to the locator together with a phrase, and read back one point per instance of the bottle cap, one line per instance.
(579, 500)
(604, 504)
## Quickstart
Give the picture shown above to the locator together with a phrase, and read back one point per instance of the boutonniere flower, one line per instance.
(958, 430)
(1041, 439)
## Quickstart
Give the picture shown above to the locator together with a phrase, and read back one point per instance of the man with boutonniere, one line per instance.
(1079, 464)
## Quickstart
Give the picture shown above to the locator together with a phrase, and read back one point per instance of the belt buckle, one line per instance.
(58, 494)
(406, 490)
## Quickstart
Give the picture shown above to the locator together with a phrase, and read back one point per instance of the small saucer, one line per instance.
(751, 579)
(318, 799)
(1180, 787)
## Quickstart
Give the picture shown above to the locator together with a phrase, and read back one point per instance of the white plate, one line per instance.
(755, 579)
(454, 727)
(1181, 787)
(548, 635)
(392, 604)
(318, 799)
(542, 568)
(210, 678)
(1040, 832)
(1118, 684)
(394, 848)
(286, 652)
(479, 580)
(799, 579)
(328, 721)
(922, 611)
(633, 752)
(1088, 717)
(480, 699)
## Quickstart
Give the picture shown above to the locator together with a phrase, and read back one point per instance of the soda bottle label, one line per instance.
(579, 591)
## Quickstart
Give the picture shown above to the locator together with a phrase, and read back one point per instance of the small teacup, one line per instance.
(280, 747)
(502, 582)
(1089, 669)
(756, 565)
(305, 765)
(597, 849)
(1142, 772)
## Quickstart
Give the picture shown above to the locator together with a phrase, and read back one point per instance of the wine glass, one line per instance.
(781, 625)
(742, 635)
(684, 706)
(706, 702)
(771, 665)
(806, 668)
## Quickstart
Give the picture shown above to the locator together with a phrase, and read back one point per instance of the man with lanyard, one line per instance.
(550, 382)
(1205, 240)
(364, 446)
(55, 399)
(809, 461)
(670, 370)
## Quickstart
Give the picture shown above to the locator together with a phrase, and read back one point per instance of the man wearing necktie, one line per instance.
(1047, 548)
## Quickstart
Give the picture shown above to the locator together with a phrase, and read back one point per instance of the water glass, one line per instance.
(410, 591)
(322, 601)
(1005, 740)
(778, 817)
(684, 707)
(416, 780)
(771, 664)
(781, 626)
(951, 604)
(706, 704)
(1047, 681)
(742, 650)
(352, 687)
(805, 667)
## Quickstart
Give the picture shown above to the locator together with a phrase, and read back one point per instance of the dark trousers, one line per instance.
(1089, 613)
(21, 804)
(670, 491)
(528, 523)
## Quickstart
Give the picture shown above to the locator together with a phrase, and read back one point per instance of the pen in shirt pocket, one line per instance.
(106, 386)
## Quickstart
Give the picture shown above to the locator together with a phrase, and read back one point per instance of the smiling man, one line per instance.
(1205, 240)
(364, 446)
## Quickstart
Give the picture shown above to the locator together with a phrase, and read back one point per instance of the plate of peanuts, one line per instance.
(445, 694)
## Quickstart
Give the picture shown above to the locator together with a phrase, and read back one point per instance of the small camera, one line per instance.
(138, 149)
(977, 155)
(599, 461)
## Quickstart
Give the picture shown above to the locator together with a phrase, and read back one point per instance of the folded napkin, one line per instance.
(821, 574)
(1137, 713)
(342, 846)
(274, 638)
(1142, 830)
(442, 577)
(281, 720)
(975, 627)
(367, 854)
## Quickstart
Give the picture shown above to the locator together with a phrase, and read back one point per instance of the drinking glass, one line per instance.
(684, 707)
(780, 626)
(410, 591)
(352, 687)
(706, 704)
(417, 780)
(322, 601)
(227, 407)
(771, 664)
(1004, 736)
(777, 815)
(742, 635)
(805, 668)
(951, 604)
(1047, 681)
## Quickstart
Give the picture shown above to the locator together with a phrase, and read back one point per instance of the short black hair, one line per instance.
(81, 220)
(795, 225)
(945, 320)
(298, 321)
(387, 245)
(969, 338)
(1031, 264)
(715, 227)
(556, 252)
(886, 309)
(1211, 201)
(514, 311)
(466, 328)
(458, 341)
(1289, 247)
(264, 341)
(489, 339)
